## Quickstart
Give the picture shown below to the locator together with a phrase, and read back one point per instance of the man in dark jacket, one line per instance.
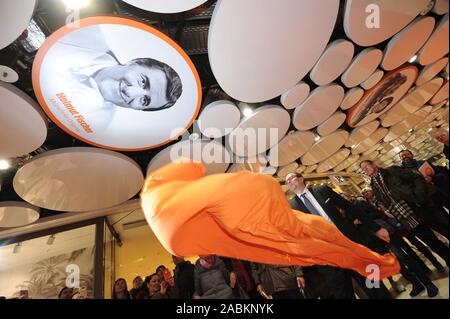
(323, 201)
(184, 277)
(438, 189)
(404, 195)
(280, 282)
(410, 268)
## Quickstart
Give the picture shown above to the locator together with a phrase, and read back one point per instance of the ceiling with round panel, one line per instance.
(273, 87)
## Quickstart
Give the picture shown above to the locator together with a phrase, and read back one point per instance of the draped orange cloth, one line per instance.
(245, 216)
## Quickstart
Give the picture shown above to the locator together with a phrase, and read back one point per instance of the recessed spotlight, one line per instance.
(247, 111)
(317, 138)
(413, 59)
(76, 4)
(4, 165)
(411, 130)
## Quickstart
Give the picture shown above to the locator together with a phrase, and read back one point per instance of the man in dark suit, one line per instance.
(323, 201)
(442, 136)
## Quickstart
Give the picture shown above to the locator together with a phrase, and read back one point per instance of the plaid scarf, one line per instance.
(401, 210)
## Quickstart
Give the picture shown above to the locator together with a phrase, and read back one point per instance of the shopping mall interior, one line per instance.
(338, 108)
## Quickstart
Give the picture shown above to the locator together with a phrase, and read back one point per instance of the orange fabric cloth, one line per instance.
(245, 216)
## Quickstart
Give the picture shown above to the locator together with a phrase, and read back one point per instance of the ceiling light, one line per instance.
(317, 138)
(17, 248)
(413, 59)
(247, 111)
(51, 240)
(411, 130)
(76, 4)
(4, 165)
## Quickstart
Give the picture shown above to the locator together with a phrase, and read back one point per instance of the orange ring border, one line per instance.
(57, 35)
(353, 108)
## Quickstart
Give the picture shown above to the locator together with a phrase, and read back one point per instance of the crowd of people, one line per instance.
(401, 212)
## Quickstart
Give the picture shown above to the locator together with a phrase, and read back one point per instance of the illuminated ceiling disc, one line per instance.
(362, 66)
(318, 107)
(334, 160)
(333, 62)
(370, 141)
(407, 42)
(14, 19)
(431, 70)
(369, 22)
(255, 61)
(437, 45)
(332, 124)
(264, 129)
(383, 96)
(359, 134)
(352, 97)
(73, 83)
(218, 119)
(17, 214)
(291, 147)
(325, 147)
(78, 179)
(295, 96)
(23, 125)
(415, 99)
(166, 6)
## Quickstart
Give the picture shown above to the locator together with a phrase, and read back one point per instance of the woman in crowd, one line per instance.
(120, 290)
(212, 279)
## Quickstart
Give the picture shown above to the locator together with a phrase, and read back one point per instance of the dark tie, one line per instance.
(309, 205)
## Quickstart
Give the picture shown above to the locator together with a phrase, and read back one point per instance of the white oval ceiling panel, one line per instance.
(369, 22)
(291, 147)
(359, 134)
(310, 169)
(441, 95)
(406, 125)
(437, 45)
(23, 126)
(332, 124)
(325, 147)
(440, 7)
(283, 171)
(219, 118)
(363, 65)
(372, 80)
(319, 106)
(431, 70)
(255, 60)
(334, 160)
(383, 96)
(165, 6)
(78, 179)
(17, 214)
(260, 131)
(352, 97)
(407, 42)
(370, 141)
(352, 159)
(295, 96)
(412, 102)
(333, 62)
(211, 154)
(14, 19)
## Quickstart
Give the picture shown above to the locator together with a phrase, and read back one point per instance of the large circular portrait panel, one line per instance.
(383, 96)
(117, 83)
